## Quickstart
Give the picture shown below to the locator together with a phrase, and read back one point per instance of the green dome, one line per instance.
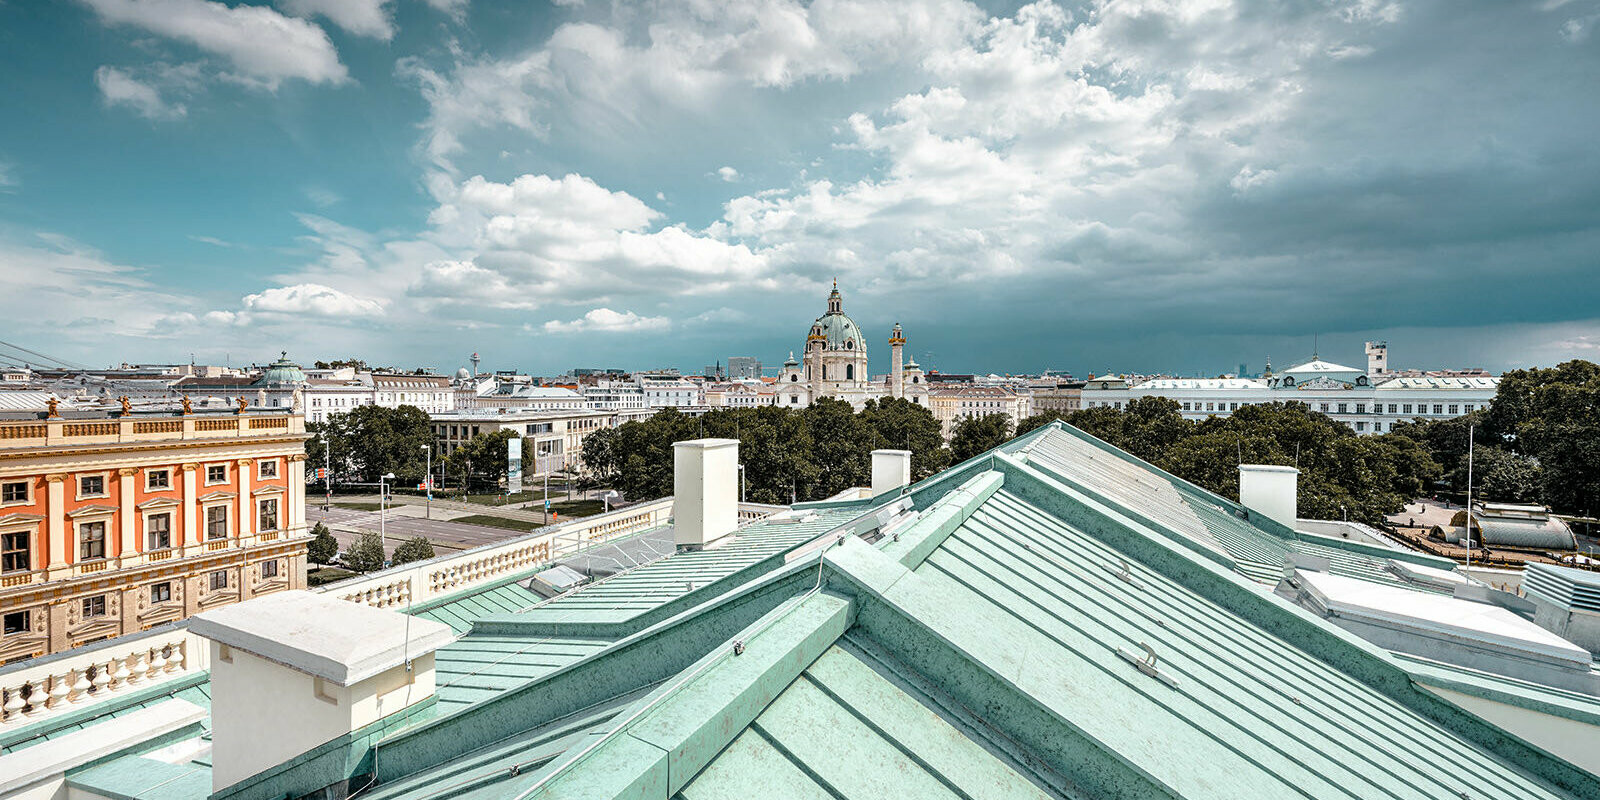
(282, 371)
(838, 330)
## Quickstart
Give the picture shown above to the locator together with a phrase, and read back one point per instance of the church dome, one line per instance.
(462, 374)
(282, 371)
(837, 330)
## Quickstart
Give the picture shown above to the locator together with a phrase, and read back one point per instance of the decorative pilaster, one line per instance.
(191, 512)
(56, 511)
(247, 522)
(128, 513)
(295, 513)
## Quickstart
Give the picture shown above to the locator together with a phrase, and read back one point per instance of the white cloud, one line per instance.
(361, 17)
(265, 46)
(728, 174)
(312, 300)
(604, 320)
(691, 54)
(9, 182)
(119, 88)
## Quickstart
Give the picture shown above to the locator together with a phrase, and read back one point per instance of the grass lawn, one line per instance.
(325, 575)
(575, 508)
(497, 522)
(358, 506)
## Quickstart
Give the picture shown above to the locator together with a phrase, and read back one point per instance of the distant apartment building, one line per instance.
(1060, 397)
(1353, 397)
(951, 406)
(670, 393)
(113, 524)
(743, 368)
(557, 435)
(746, 394)
(609, 395)
(431, 393)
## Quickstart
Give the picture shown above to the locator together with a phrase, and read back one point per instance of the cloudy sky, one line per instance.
(1144, 185)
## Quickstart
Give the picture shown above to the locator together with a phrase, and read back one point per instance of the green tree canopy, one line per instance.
(368, 441)
(322, 547)
(975, 435)
(417, 548)
(480, 463)
(899, 424)
(366, 554)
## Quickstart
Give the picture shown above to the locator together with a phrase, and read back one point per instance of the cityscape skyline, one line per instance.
(1157, 187)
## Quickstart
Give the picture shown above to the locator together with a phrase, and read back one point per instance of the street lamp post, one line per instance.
(741, 483)
(383, 495)
(427, 483)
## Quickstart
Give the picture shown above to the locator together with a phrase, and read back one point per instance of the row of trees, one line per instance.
(787, 454)
(1341, 473)
(367, 553)
(1538, 442)
(369, 441)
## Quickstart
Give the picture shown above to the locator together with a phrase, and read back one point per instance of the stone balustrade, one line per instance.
(94, 673)
(424, 581)
(47, 432)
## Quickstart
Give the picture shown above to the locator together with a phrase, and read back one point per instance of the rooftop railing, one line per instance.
(17, 434)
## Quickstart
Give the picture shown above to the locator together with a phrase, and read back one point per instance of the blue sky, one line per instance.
(1141, 185)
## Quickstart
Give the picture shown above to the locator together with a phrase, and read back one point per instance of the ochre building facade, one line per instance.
(113, 525)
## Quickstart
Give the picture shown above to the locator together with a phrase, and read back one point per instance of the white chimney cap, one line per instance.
(321, 635)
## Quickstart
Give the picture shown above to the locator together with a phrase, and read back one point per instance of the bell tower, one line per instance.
(835, 301)
(897, 378)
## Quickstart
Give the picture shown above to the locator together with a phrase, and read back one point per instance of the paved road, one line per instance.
(347, 523)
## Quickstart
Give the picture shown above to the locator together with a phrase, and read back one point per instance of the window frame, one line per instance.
(213, 577)
(272, 564)
(166, 592)
(261, 466)
(27, 492)
(93, 606)
(149, 479)
(150, 547)
(8, 629)
(27, 550)
(261, 504)
(227, 522)
(105, 486)
(83, 542)
(215, 481)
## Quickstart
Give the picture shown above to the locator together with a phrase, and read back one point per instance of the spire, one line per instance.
(835, 302)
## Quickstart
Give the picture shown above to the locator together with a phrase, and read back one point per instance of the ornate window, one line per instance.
(15, 622)
(91, 540)
(219, 580)
(158, 531)
(269, 569)
(217, 522)
(94, 606)
(161, 592)
(16, 551)
(91, 486)
(14, 492)
(849, 372)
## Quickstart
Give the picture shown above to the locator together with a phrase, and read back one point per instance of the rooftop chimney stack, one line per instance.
(1269, 490)
(291, 671)
(705, 487)
(891, 469)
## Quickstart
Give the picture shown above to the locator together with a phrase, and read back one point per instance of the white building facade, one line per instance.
(1366, 403)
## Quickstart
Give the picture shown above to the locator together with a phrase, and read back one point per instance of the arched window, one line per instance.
(849, 344)
(849, 372)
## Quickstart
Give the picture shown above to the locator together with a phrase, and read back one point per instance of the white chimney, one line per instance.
(1269, 490)
(294, 670)
(705, 488)
(891, 469)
